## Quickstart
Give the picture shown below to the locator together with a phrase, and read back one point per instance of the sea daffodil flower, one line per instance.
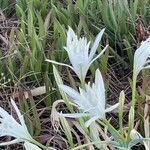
(142, 57)
(90, 100)
(141, 61)
(10, 127)
(80, 54)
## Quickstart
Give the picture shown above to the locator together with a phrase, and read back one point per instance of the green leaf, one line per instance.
(130, 122)
(121, 109)
(59, 82)
(37, 123)
(67, 131)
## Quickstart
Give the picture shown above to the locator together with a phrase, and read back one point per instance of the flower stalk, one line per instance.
(134, 91)
(42, 146)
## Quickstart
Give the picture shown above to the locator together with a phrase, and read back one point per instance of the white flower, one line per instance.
(142, 57)
(10, 127)
(78, 52)
(90, 100)
(30, 146)
(134, 135)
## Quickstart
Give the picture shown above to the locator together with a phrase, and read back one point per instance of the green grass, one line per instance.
(40, 33)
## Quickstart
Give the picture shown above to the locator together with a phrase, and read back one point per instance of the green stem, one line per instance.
(131, 113)
(41, 145)
(111, 129)
(81, 79)
(130, 123)
(133, 91)
(94, 143)
(82, 84)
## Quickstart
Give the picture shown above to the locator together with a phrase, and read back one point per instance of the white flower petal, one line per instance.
(141, 57)
(96, 44)
(91, 100)
(18, 113)
(98, 55)
(3, 113)
(78, 53)
(112, 107)
(10, 127)
(11, 142)
(71, 36)
(99, 80)
(144, 45)
(147, 67)
(57, 63)
(74, 115)
(30, 146)
(87, 124)
(135, 135)
(99, 83)
(71, 92)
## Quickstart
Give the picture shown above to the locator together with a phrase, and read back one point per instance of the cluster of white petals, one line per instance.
(142, 57)
(90, 100)
(80, 54)
(10, 127)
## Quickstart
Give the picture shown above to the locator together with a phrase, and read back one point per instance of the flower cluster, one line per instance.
(91, 99)
(10, 127)
(80, 54)
(142, 57)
